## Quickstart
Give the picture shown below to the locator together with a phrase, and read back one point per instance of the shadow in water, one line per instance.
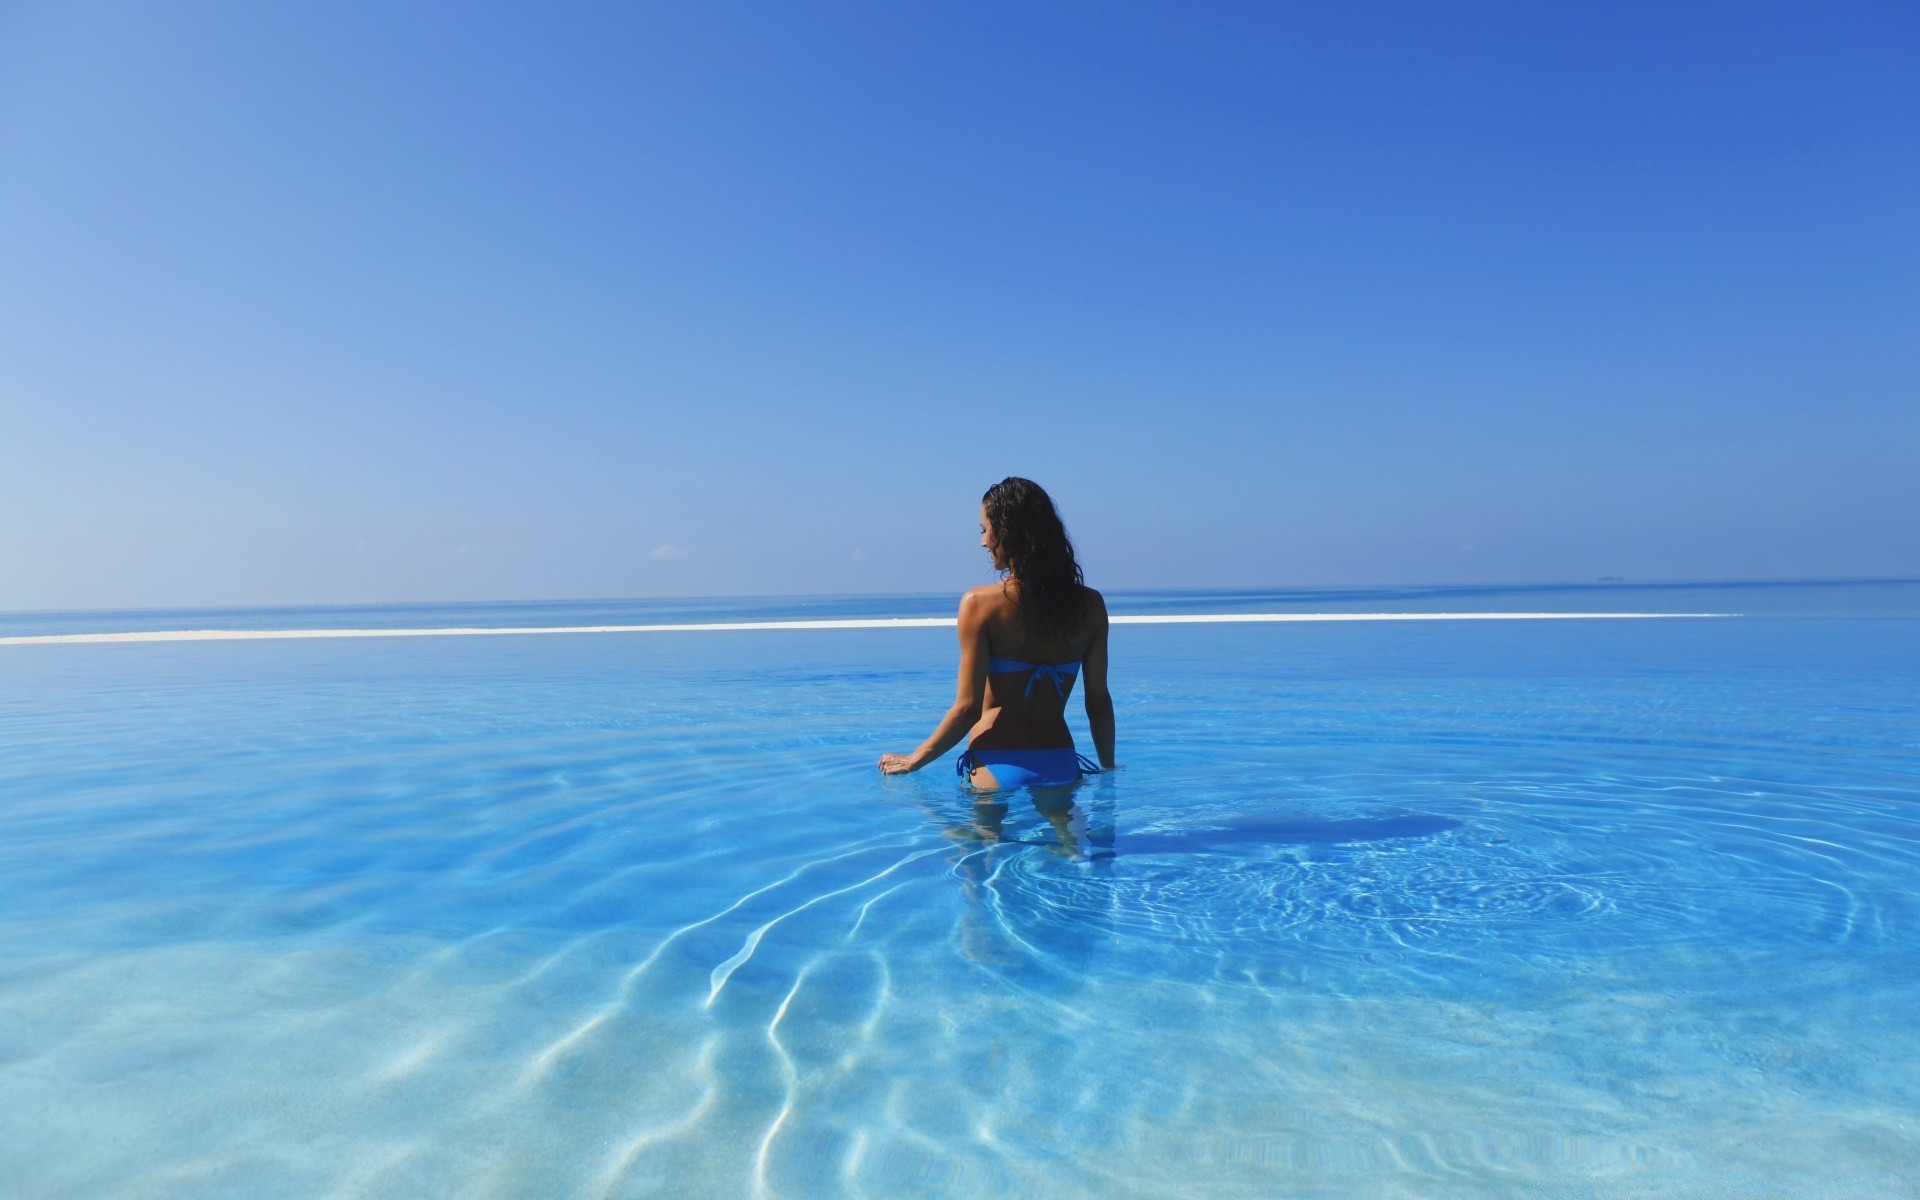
(1035, 869)
(1079, 823)
(1233, 834)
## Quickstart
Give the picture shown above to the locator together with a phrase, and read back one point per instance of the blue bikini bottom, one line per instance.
(1027, 768)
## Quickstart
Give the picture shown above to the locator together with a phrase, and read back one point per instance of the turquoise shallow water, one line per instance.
(1502, 909)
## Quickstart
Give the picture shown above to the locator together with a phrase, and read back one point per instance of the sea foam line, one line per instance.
(262, 635)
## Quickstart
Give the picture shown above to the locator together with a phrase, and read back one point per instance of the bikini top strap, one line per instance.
(1060, 673)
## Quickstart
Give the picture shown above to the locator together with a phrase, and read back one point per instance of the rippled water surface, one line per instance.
(1439, 909)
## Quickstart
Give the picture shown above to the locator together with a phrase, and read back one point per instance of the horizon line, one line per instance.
(261, 635)
(1511, 585)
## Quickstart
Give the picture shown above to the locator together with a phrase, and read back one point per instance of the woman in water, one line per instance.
(1022, 643)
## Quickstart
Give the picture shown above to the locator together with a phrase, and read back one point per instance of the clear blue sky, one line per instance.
(362, 302)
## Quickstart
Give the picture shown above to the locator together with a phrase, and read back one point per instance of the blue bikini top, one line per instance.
(1061, 673)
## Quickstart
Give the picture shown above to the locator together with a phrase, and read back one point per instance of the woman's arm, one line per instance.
(971, 697)
(1093, 678)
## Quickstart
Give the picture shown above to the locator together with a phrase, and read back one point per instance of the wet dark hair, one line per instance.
(1039, 555)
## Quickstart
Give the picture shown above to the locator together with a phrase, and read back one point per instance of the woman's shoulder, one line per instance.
(986, 598)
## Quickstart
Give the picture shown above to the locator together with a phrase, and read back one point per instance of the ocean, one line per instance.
(1424, 908)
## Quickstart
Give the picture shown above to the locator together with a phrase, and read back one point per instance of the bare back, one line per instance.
(1022, 712)
(1014, 682)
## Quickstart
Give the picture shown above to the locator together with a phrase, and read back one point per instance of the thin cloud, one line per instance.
(667, 551)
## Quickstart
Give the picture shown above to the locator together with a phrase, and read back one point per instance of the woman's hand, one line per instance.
(896, 764)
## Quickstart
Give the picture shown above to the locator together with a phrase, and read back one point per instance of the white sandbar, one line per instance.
(262, 635)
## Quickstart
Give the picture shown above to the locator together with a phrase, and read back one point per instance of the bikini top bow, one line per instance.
(1061, 673)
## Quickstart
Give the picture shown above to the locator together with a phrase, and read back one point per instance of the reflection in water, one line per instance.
(1033, 871)
(1079, 818)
